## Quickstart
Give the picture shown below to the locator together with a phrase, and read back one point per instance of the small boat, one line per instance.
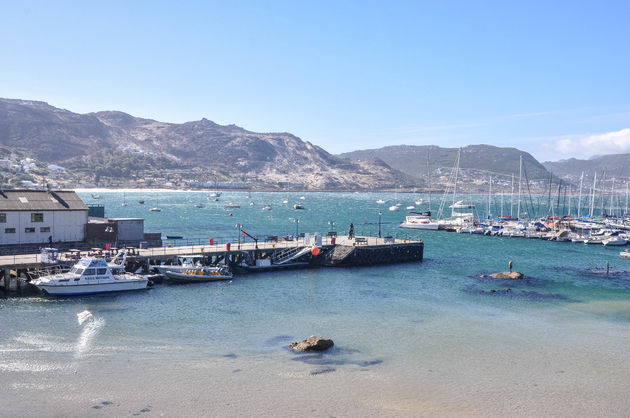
(285, 201)
(617, 240)
(96, 196)
(380, 201)
(215, 194)
(200, 205)
(411, 207)
(624, 254)
(461, 205)
(420, 221)
(266, 207)
(89, 276)
(394, 208)
(419, 202)
(155, 209)
(123, 204)
(232, 205)
(199, 274)
(251, 203)
(141, 202)
(298, 205)
(302, 197)
(184, 262)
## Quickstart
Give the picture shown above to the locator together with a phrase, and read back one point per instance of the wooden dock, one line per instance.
(333, 251)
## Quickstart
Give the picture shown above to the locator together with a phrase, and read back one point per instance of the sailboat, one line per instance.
(156, 208)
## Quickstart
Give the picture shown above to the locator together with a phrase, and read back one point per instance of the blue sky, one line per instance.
(551, 78)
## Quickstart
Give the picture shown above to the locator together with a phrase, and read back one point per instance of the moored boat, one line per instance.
(89, 276)
(200, 274)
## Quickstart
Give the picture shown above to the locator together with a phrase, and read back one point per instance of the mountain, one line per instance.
(412, 160)
(616, 165)
(116, 144)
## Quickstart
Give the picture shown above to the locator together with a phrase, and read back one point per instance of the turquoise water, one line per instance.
(429, 330)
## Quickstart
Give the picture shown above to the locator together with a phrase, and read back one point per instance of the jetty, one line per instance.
(242, 257)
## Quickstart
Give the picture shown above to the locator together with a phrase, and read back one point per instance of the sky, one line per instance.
(550, 78)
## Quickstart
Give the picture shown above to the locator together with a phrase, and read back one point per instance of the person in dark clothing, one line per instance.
(50, 240)
(351, 232)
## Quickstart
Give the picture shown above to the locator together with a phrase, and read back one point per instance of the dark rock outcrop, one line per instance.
(514, 275)
(312, 344)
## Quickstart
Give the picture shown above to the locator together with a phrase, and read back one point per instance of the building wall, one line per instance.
(130, 229)
(64, 226)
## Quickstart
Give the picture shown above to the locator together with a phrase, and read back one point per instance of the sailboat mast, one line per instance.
(549, 196)
(429, 179)
(512, 197)
(612, 197)
(580, 196)
(593, 195)
(459, 151)
(501, 203)
(603, 191)
(626, 211)
(520, 174)
(569, 211)
(489, 196)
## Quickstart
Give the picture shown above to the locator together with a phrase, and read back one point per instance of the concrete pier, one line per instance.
(244, 256)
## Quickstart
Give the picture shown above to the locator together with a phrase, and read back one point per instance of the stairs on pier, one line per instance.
(338, 254)
(289, 254)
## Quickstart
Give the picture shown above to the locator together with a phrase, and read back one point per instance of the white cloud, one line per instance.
(585, 146)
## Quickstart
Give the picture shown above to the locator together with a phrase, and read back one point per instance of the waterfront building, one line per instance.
(41, 216)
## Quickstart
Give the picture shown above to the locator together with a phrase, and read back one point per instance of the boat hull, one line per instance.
(419, 225)
(177, 277)
(90, 289)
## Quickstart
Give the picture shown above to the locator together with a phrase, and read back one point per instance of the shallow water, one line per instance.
(411, 339)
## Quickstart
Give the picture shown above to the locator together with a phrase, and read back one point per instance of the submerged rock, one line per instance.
(515, 275)
(312, 344)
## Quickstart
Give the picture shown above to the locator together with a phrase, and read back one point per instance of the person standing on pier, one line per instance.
(351, 232)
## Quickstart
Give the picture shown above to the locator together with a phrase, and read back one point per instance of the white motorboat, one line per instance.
(419, 202)
(88, 276)
(155, 209)
(298, 205)
(394, 208)
(232, 205)
(420, 221)
(266, 207)
(302, 197)
(285, 201)
(252, 203)
(184, 262)
(617, 240)
(380, 201)
(410, 207)
(96, 196)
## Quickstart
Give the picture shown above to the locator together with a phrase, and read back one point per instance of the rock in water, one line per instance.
(507, 275)
(312, 344)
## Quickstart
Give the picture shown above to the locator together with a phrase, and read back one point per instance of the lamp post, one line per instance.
(332, 225)
(240, 227)
(297, 230)
(379, 223)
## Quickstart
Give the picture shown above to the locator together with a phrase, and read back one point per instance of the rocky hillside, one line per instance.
(98, 143)
(412, 160)
(616, 166)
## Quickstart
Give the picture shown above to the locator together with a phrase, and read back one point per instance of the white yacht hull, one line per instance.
(88, 289)
(420, 225)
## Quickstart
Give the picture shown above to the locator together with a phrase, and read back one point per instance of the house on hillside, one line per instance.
(37, 216)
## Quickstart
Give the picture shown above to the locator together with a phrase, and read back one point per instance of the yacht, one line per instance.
(420, 221)
(89, 276)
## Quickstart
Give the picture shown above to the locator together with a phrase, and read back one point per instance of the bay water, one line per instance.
(414, 339)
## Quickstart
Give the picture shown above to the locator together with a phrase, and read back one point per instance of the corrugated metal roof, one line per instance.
(29, 200)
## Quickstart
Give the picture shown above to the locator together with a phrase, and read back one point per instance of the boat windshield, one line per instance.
(77, 270)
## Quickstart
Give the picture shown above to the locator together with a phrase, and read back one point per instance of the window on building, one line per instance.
(29, 230)
(9, 230)
(37, 217)
(3, 218)
(44, 229)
